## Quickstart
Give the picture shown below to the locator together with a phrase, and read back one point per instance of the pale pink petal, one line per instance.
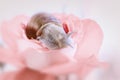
(61, 69)
(86, 66)
(92, 40)
(24, 44)
(89, 47)
(39, 60)
(12, 30)
(7, 56)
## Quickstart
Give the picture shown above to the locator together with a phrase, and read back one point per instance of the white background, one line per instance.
(105, 12)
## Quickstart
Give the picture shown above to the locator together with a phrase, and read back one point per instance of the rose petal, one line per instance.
(92, 40)
(12, 30)
(39, 60)
(26, 74)
(7, 56)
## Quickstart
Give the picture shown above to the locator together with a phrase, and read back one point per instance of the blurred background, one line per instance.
(105, 12)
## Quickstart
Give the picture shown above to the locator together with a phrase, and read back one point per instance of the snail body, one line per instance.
(47, 29)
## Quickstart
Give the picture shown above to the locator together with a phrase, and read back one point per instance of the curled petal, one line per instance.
(92, 40)
(12, 30)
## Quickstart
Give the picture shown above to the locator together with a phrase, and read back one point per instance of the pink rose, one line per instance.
(33, 60)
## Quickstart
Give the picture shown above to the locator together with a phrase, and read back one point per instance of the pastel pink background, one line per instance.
(104, 12)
